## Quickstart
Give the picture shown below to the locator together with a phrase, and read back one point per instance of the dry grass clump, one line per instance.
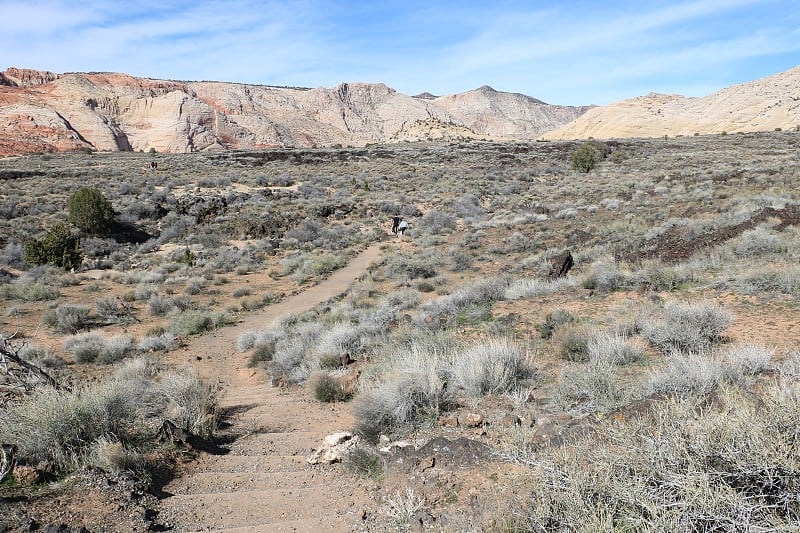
(196, 321)
(687, 374)
(615, 348)
(91, 347)
(420, 375)
(572, 341)
(442, 311)
(68, 318)
(407, 386)
(687, 327)
(327, 388)
(494, 366)
(590, 388)
(553, 320)
(689, 466)
(525, 288)
(63, 427)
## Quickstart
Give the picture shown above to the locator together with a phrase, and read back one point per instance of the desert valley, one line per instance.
(592, 322)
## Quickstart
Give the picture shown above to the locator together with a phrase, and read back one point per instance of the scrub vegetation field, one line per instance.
(654, 387)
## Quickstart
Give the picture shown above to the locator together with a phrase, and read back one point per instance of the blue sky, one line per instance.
(562, 52)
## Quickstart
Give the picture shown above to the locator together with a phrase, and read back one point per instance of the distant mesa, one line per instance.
(426, 96)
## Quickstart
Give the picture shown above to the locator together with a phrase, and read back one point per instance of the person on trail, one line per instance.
(395, 223)
(402, 227)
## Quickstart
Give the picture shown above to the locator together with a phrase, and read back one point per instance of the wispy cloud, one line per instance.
(563, 52)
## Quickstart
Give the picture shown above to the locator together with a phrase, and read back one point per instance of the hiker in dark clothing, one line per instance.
(395, 223)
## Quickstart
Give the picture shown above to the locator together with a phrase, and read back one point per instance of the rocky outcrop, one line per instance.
(43, 111)
(24, 77)
(761, 105)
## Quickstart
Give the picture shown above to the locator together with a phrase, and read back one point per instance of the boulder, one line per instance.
(561, 264)
(333, 449)
(473, 420)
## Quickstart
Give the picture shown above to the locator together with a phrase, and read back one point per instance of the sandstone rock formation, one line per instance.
(761, 105)
(43, 111)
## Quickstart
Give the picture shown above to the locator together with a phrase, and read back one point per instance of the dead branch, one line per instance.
(9, 358)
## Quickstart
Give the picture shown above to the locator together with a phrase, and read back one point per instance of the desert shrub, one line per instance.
(606, 276)
(413, 266)
(292, 359)
(437, 223)
(769, 278)
(758, 241)
(746, 360)
(567, 212)
(687, 327)
(585, 158)
(159, 342)
(656, 276)
(517, 243)
(158, 305)
(194, 322)
(58, 247)
(444, 310)
(686, 467)
(42, 357)
(571, 341)
(688, 374)
(90, 211)
(402, 507)
(553, 320)
(467, 206)
(407, 388)
(117, 348)
(112, 310)
(29, 291)
(194, 286)
(461, 260)
(530, 287)
(85, 347)
(327, 388)
(590, 388)
(262, 353)
(143, 291)
(614, 348)
(112, 456)
(68, 318)
(790, 366)
(490, 367)
(192, 402)
(365, 461)
(13, 254)
(56, 426)
(62, 427)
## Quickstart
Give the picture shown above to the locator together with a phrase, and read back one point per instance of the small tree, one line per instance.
(585, 158)
(58, 247)
(90, 212)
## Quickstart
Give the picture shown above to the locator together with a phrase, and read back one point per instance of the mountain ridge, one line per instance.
(46, 111)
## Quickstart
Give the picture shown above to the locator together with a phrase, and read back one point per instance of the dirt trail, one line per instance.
(262, 481)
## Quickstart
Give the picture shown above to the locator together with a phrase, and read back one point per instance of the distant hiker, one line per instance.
(153, 165)
(402, 227)
(395, 224)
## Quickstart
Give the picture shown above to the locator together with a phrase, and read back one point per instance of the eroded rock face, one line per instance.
(760, 105)
(43, 111)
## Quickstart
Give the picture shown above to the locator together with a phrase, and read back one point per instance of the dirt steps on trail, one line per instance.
(261, 481)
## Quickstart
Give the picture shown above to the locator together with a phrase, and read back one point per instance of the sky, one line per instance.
(562, 52)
